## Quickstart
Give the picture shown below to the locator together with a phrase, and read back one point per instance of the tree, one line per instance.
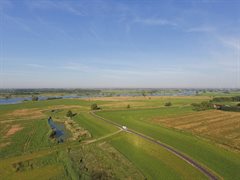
(8, 96)
(197, 93)
(94, 107)
(34, 98)
(69, 114)
(128, 106)
(205, 105)
(168, 104)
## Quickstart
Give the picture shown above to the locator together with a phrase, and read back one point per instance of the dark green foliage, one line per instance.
(168, 104)
(231, 108)
(128, 106)
(53, 98)
(70, 114)
(7, 96)
(236, 98)
(143, 94)
(223, 99)
(228, 99)
(53, 133)
(34, 98)
(202, 106)
(94, 107)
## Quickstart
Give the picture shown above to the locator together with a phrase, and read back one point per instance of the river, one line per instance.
(17, 100)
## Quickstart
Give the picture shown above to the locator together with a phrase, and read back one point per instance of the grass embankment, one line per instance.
(96, 127)
(224, 162)
(100, 161)
(155, 162)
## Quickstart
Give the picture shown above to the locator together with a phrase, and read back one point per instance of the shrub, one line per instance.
(236, 98)
(222, 99)
(70, 114)
(128, 106)
(231, 108)
(94, 107)
(53, 98)
(34, 98)
(202, 106)
(168, 104)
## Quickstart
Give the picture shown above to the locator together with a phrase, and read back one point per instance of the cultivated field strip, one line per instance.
(223, 127)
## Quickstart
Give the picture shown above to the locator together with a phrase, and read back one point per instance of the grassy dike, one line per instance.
(155, 162)
(222, 161)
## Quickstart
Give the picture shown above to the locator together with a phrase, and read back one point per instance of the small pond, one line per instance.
(61, 134)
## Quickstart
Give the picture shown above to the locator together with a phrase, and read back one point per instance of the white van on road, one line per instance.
(124, 127)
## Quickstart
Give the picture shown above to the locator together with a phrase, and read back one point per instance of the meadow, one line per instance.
(202, 150)
(209, 137)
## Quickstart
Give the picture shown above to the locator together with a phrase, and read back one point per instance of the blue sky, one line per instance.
(117, 43)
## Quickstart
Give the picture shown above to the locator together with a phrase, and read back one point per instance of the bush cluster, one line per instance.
(70, 114)
(223, 99)
(205, 105)
(168, 104)
(94, 107)
(34, 98)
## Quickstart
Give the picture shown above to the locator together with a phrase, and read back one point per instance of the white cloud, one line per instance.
(201, 29)
(68, 6)
(155, 21)
(121, 71)
(76, 67)
(231, 42)
(19, 22)
(36, 65)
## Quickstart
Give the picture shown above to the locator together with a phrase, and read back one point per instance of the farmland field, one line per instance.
(202, 150)
(97, 149)
(222, 127)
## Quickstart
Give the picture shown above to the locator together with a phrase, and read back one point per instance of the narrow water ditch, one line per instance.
(59, 131)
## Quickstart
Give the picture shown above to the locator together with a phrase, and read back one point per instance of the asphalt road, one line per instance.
(189, 160)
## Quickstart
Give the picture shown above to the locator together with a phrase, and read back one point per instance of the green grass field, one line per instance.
(33, 136)
(26, 150)
(96, 127)
(154, 161)
(222, 161)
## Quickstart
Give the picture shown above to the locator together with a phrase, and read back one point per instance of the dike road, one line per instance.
(189, 160)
